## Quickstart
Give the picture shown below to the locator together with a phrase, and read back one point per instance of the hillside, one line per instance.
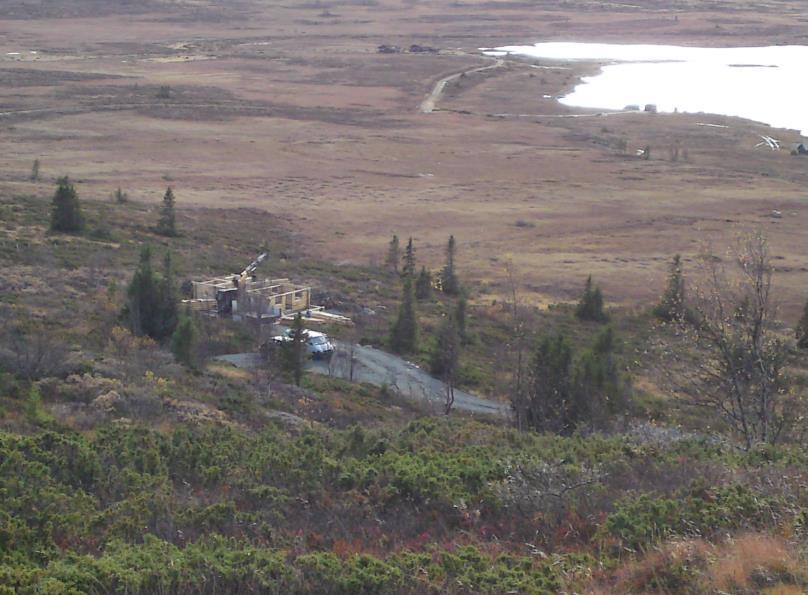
(124, 471)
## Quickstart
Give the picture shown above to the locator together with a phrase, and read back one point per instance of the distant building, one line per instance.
(237, 295)
(651, 108)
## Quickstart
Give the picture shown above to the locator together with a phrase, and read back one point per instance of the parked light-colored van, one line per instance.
(318, 344)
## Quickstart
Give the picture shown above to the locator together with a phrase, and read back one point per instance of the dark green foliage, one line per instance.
(144, 510)
(404, 333)
(151, 299)
(228, 566)
(294, 351)
(34, 412)
(598, 383)
(393, 255)
(590, 306)
(423, 285)
(183, 341)
(120, 196)
(408, 266)
(550, 404)
(699, 510)
(167, 224)
(449, 283)
(671, 306)
(802, 329)
(66, 213)
(569, 392)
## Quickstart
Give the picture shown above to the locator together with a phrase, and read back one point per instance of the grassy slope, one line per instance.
(248, 484)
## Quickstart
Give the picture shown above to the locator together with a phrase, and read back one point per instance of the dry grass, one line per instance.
(297, 114)
(228, 371)
(748, 563)
(756, 562)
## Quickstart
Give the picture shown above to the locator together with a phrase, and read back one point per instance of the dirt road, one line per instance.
(380, 368)
(384, 369)
(428, 105)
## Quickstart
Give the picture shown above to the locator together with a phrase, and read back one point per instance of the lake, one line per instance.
(765, 84)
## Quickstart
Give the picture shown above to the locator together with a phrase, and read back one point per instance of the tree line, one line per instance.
(741, 372)
(67, 216)
(404, 332)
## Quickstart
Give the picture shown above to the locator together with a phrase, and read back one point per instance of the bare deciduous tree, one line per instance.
(344, 360)
(742, 372)
(518, 342)
(31, 355)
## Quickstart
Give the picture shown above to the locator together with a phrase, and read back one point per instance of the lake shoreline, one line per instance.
(762, 84)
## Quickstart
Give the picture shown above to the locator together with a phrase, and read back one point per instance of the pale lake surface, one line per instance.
(765, 84)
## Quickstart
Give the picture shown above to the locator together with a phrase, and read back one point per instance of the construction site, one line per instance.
(244, 296)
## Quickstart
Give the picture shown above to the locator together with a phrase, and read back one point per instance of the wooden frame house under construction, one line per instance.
(242, 296)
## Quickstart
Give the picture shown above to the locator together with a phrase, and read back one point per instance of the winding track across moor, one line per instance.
(428, 105)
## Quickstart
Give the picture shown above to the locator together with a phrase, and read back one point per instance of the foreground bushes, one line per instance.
(697, 511)
(218, 565)
(440, 505)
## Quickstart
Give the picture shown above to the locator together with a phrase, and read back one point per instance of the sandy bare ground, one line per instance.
(290, 107)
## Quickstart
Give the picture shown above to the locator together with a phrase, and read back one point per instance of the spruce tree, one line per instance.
(35, 171)
(449, 283)
(551, 391)
(66, 214)
(120, 196)
(151, 300)
(598, 391)
(408, 266)
(393, 255)
(423, 285)
(183, 341)
(167, 223)
(671, 306)
(404, 333)
(802, 329)
(141, 296)
(590, 306)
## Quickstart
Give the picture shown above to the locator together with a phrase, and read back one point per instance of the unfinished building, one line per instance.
(244, 296)
(241, 296)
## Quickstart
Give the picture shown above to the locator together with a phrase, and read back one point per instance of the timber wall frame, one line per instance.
(271, 296)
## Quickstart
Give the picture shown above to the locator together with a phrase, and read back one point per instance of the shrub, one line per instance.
(590, 306)
(66, 213)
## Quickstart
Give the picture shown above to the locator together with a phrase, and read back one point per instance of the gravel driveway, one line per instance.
(380, 368)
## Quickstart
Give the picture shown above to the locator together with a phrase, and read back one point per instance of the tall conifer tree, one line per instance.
(404, 334)
(408, 267)
(393, 254)
(167, 224)
(66, 214)
(449, 282)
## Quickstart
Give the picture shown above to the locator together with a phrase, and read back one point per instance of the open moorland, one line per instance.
(291, 108)
(649, 438)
